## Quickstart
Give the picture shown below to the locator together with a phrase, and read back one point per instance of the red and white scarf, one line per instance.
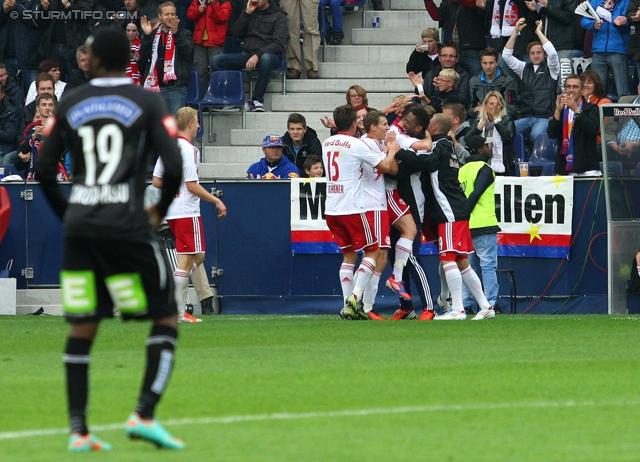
(509, 17)
(133, 70)
(151, 82)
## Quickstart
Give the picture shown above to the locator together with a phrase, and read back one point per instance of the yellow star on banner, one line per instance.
(533, 232)
(557, 179)
(306, 180)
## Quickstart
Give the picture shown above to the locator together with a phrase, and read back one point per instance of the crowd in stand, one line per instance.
(500, 61)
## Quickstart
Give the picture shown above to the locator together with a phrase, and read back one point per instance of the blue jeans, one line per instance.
(619, 64)
(486, 255)
(62, 53)
(470, 60)
(336, 16)
(532, 126)
(238, 61)
(175, 96)
(27, 77)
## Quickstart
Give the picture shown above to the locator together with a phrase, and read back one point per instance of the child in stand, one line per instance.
(313, 167)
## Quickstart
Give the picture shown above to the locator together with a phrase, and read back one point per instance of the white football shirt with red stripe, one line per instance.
(374, 188)
(345, 158)
(185, 204)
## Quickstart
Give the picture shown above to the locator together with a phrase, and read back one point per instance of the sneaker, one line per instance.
(452, 315)
(403, 313)
(87, 443)
(445, 305)
(226, 109)
(378, 6)
(188, 318)
(336, 38)
(485, 314)
(427, 315)
(152, 431)
(354, 309)
(374, 316)
(257, 106)
(398, 288)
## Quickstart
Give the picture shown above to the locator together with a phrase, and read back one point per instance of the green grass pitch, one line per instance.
(276, 388)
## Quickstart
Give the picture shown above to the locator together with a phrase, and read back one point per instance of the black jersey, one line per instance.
(111, 128)
(443, 194)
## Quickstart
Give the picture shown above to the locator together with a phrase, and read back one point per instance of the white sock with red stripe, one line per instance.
(181, 280)
(346, 279)
(364, 273)
(472, 281)
(369, 296)
(454, 279)
(444, 287)
(403, 251)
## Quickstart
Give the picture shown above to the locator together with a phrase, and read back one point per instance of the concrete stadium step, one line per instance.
(341, 85)
(367, 53)
(244, 155)
(407, 4)
(381, 70)
(232, 170)
(400, 19)
(254, 137)
(278, 120)
(310, 102)
(386, 36)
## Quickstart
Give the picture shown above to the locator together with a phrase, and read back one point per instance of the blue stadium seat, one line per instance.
(518, 144)
(614, 168)
(543, 152)
(547, 169)
(281, 68)
(193, 89)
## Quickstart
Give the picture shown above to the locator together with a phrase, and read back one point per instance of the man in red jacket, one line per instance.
(211, 18)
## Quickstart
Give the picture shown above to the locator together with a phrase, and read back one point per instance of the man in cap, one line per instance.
(273, 165)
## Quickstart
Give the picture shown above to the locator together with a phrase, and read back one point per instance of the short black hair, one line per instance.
(420, 113)
(111, 47)
(344, 116)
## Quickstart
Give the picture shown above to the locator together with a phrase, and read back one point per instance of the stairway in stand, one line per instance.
(372, 57)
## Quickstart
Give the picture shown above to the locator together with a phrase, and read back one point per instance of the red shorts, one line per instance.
(429, 228)
(366, 231)
(396, 207)
(189, 234)
(454, 238)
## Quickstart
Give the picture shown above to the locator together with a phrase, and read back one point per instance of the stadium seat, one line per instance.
(193, 89)
(547, 169)
(543, 151)
(226, 90)
(518, 144)
(614, 168)
(281, 68)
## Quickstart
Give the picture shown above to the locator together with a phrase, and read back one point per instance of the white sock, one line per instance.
(472, 281)
(403, 251)
(181, 280)
(364, 273)
(369, 296)
(346, 279)
(444, 287)
(454, 279)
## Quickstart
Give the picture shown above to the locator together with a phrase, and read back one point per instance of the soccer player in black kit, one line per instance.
(110, 259)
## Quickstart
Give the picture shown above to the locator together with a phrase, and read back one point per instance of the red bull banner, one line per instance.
(534, 214)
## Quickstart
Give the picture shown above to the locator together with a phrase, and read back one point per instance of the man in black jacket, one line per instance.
(448, 60)
(9, 120)
(170, 49)
(12, 90)
(578, 153)
(300, 142)
(265, 29)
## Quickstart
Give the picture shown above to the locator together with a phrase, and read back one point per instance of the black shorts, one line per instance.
(100, 276)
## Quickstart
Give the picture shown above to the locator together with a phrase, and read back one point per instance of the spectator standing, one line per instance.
(9, 124)
(493, 123)
(80, 75)
(51, 67)
(425, 55)
(264, 28)
(633, 19)
(332, 34)
(211, 20)
(459, 127)
(170, 50)
(133, 69)
(448, 60)
(502, 16)
(20, 37)
(538, 81)
(575, 125)
(29, 149)
(44, 84)
(462, 23)
(309, 10)
(300, 142)
(273, 165)
(478, 183)
(12, 90)
(492, 78)
(611, 33)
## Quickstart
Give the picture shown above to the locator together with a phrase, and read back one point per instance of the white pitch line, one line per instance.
(329, 414)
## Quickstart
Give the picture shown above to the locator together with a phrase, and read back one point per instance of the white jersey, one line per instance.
(345, 158)
(374, 188)
(185, 204)
(404, 141)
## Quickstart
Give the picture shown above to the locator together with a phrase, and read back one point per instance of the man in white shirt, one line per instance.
(351, 217)
(183, 216)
